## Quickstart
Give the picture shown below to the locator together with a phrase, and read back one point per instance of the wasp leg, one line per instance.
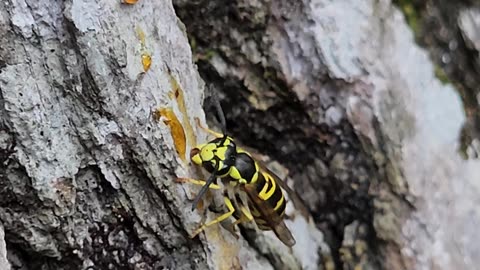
(221, 218)
(196, 182)
(246, 216)
(209, 131)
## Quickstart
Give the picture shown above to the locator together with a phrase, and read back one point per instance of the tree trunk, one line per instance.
(87, 171)
(99, 101)
(338, 92)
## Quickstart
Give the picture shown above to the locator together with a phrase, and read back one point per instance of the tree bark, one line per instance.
(4, 264)
(87, 172)
(98, 101)
(339, 93)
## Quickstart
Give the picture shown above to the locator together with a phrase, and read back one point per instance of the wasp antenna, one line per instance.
(204, 189)
(218, 108)
(222, 120)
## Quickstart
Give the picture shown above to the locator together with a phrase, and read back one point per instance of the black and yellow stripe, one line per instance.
(271, 193)
(238, 167)
(238, 170)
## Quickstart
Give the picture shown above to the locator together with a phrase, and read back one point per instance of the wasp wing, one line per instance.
(274, 221)
(292, 195)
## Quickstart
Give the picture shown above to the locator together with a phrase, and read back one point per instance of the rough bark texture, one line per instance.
(336, 91)
(4, 264)
(449, 30)
(87, 173)
(339, 93)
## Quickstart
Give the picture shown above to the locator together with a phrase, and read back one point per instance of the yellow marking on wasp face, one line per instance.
(242, 181)
(206, 152)
(279, 203)
(197, 159)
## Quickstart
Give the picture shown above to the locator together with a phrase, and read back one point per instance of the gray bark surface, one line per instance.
(4, 264)
(335, 92)
(339, 93)
(87, 174)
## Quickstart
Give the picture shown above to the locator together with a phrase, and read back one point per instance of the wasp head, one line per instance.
(219, 150)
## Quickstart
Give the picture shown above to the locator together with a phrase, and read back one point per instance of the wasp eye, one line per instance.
(193, 152)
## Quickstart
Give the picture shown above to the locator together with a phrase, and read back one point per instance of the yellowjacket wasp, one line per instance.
(251, 191)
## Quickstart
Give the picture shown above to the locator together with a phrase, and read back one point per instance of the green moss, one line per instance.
(209, 54)
(411, 14)
(267, 74)
(441, 75)
(203, 55)
(193, 43)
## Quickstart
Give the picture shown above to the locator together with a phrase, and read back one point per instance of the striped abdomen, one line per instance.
(270, 193)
